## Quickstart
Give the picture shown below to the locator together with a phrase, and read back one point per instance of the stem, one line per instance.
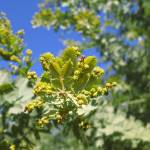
(62, 83)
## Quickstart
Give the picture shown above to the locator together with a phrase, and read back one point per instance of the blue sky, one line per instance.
(40, 40)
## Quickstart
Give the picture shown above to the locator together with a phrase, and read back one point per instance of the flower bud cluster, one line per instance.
(42, 88)
(12, 147)
(28, 57)
(76, 48)
(84, 125)
(110, 84)
(85, 92)
(37, 103)
(81, 99)
(15, 58)
(76, 74)
(28, 52)
(45, 59)
(97, 71)
(43, 121)
(102, 90)
(58, 118)
(81, 67)
(60, 93)
(32, 75)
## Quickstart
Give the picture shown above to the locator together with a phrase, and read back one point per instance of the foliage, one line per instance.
(109, 130)
(15, 91)
(114, 127)
(11, 47)
(70, 94)
(14, 124)
(67, 90)
(130, 63)
(130, 19)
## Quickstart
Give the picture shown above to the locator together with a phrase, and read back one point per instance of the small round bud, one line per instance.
(108, 85)
(58, 118)
(15, 58)
(32, 75)
(95, 94)
(28, 52)
(75, 77)
(114, 83)
(77, 72)
(86, 66)
(12, 147)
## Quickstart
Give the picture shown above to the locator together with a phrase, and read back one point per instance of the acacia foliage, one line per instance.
(130, 19)
(130, 63)
(67, 90)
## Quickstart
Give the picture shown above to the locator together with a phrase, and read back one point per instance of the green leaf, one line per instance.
(92, 82)
(70, 53)
(91, 62)
(55, 68)
(5, 88)
(5, 82)
(146, 5)
(19, 96)
(67, 69)
(81, 82)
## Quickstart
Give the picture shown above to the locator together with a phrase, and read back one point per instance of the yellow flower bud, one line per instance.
(15, 58)
(98, 71)
(114, 83)
(75, 77)
(75, 48)
(86, 66)
(43, 121)
(84, 125)
(58, 118)
(12, 147)
(109, 85)
(77, 72)
(45, 59)
(81, 99)
(38, 103)
(32, 75)
(43, 88)
(95, 94)
(28, 52)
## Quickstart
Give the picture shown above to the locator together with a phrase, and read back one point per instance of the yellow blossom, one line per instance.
(43, 121)
(38, 103)
(58, 118)
(32, 75)
(15, 58)
(45, 59)
(28, 52)
(43, 88)
(98, 71)
(81, 99)
(84, 125)
(12, 147)
(110, 84)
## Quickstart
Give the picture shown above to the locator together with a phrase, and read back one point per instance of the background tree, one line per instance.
(16, 131)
